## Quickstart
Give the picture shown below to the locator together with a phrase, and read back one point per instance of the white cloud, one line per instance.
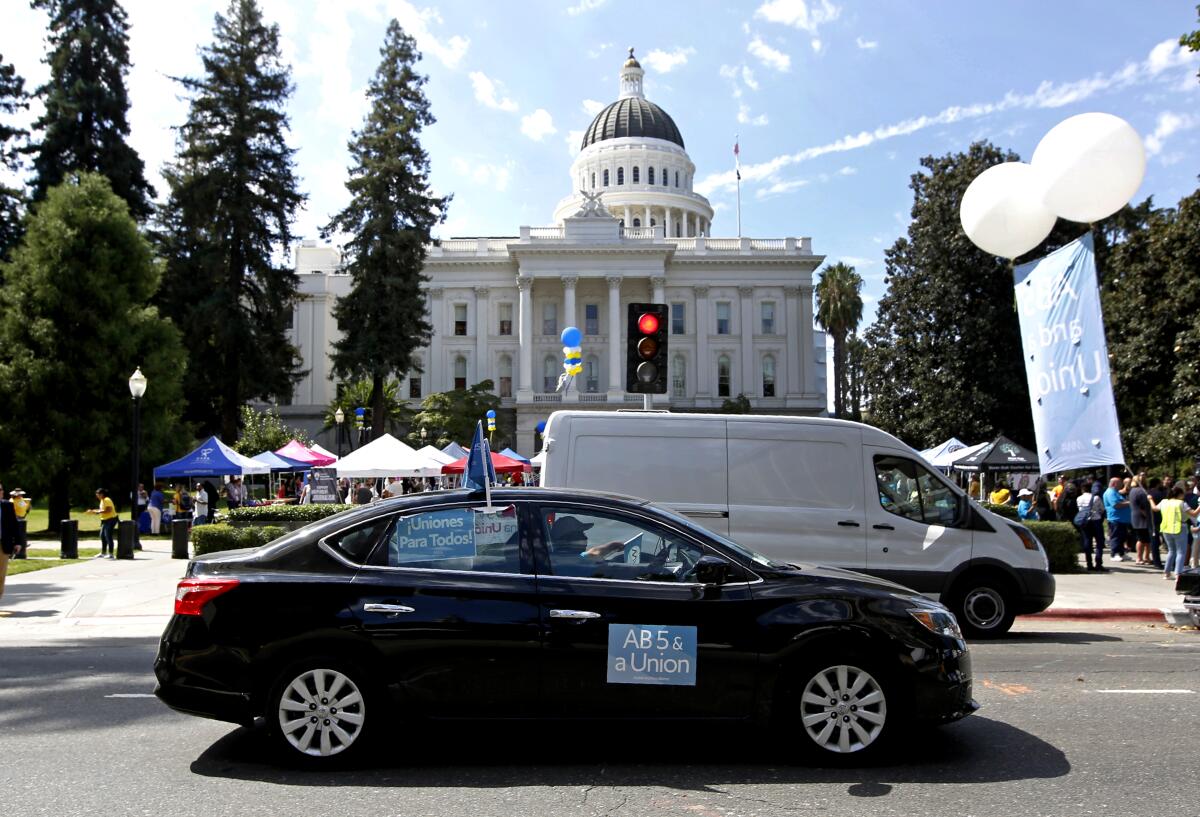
(591, 107)
(865, 45)
(769, 56)
(584, 6)
(857, 261)
(415, 22)
(485, 93)
(484, 173)
(574, 138)
(781, 187)
(593, 53)
(817, 45)
(664, 62)
(748, 78)
(538, 125)
(1047, 95)
(1169, 122)
(746, 119)
(798, 13)
(847, 171)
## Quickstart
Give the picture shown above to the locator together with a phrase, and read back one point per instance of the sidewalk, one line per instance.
(1126, 592)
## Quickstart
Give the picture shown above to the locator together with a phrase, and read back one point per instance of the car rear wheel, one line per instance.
(319, 711)
(837, 710)
(983, 608)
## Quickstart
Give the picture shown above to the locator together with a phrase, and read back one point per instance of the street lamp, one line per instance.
(339, 417)
(137, 389)
(424, 435)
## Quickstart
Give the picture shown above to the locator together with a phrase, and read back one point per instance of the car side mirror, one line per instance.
(712, 570)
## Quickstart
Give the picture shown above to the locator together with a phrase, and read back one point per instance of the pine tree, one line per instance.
(388, 221)
(12, 99)
(229, 215)
(74, 324)
(85, 125)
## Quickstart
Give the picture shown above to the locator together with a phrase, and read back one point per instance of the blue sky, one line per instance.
(835, 102)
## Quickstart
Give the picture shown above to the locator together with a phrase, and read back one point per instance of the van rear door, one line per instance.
(679, 465)
(796, 492)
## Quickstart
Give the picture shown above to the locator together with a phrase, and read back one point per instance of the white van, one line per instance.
(811, 489)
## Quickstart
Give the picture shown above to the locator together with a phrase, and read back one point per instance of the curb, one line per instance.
(1174, 616)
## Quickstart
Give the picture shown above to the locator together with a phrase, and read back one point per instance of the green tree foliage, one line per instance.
(266, 431)
(351, 396)
(12, 99)
(1191, 40)
(856, 358)
(227, 221)
(839, 310)
(450, 416)
(736, 405)
(74, 324)
(388, 223)
(85, 123)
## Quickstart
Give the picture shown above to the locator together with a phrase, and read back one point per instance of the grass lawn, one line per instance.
(38, 520)
(19, 566)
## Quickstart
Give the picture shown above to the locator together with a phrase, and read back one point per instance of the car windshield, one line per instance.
(743, 551)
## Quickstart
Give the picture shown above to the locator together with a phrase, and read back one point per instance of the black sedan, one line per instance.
(549, 604)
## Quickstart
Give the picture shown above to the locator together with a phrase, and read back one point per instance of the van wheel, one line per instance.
(320, 711)
(983, 606)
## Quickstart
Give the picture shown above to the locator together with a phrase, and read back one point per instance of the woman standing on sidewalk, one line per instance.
(1174, 512)
(108, 521)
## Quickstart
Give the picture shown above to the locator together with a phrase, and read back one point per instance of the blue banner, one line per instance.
(1066, 360)
(651, 654)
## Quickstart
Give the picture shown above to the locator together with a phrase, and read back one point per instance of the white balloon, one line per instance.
(1091, 164)
(1002, 212)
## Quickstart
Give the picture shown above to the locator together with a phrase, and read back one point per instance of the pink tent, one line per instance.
(295, 451)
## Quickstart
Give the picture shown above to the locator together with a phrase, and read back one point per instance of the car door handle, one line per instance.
(847, 523)
(578, 615)
(388, 608)
(707, 514)
(883, 527)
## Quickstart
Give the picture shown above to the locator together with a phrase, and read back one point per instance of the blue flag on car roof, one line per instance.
(480, 473)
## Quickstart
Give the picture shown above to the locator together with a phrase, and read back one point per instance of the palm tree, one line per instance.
(839, 310)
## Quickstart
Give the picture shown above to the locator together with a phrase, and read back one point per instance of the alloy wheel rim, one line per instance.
(321, 712)
(843, 709)
(983, 607)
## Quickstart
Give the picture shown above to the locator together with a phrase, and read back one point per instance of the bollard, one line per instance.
(179, 538)
(124, 539)
(69, 538)
(22, 539)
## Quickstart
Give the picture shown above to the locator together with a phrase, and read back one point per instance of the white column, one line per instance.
(433, 378)
(807, 347)
(646, 220)
(482, 327)
(628, 218)
(525, 337)
(616, 370)
(568, 283)
(669, 224)
(749, 370)
(703, 364)
(658, 295)
(795, 347)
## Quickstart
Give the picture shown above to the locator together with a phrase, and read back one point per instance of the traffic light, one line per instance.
(646, 360)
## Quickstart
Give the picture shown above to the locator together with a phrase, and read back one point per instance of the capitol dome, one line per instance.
(633, 154)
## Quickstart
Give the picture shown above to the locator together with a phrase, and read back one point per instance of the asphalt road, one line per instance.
(78, 735)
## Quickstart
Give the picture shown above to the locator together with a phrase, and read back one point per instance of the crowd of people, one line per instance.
(1135, 518)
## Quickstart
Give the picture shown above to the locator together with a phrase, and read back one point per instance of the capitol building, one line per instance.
(633, 231)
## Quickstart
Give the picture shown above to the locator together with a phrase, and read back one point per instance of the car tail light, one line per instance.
(192, 594)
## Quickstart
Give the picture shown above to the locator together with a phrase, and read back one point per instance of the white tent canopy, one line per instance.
(386, 457)
(538, 459)
(455, 450)
(429, 452)
(319, 450)
(948, 458)
(950, 446)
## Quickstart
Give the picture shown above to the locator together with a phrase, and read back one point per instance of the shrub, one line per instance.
(1061, 541)
(284, 513)
(214, 538)
(1007, 511)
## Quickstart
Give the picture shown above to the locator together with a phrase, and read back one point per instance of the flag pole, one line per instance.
(737, 164)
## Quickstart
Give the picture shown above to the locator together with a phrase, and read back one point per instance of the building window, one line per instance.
(593, 181)
(460, 372)
(549, 319)
(505, 376)
(768, 317)
(678, 318)
(666, 177)
(676, 178)
(505, 311)
(635, 175)
(637, 222)
(649, 175)
(549, 373)
(414, 388)
(620, 175)
(591, 319)
(678, 376)
(606, 178)
(591, 373)
(678, 229)
(723, 312)
(768, 373)
(460, 319)
(723, 376)
(291, 319)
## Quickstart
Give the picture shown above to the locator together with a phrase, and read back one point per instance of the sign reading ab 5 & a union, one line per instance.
(651, 654)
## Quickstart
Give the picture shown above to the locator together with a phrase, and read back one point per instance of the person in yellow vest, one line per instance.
(1001, 495)
(108, 523)
(21, 504)
(1175, 515)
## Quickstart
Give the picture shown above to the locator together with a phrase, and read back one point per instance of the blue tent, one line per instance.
(212, 458)
(513, 455)
(278, 463)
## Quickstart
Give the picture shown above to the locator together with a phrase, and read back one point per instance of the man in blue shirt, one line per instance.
(1116, 507)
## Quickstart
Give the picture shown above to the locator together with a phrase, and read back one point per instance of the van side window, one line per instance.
(910, 490)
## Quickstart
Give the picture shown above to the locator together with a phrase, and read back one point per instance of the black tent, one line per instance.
(1000, 455)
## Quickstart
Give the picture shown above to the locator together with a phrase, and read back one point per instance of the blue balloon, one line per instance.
(541, 427)
(491, 414)
(571, 336)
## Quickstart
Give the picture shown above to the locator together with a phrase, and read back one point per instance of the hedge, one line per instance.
(1007, 511)
(214, 538)
(1061, 541)
(284, 513)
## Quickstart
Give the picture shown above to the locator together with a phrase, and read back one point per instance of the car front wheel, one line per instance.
(840, 708)
(319, 711)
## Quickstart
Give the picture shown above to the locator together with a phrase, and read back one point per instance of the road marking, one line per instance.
(1146, 691)
(1007, 689)
(131, 695)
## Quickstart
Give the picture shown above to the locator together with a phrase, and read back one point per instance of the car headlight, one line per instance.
(937, 621)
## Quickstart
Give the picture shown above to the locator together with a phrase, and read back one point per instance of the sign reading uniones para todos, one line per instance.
(651, 654)
(451, 534)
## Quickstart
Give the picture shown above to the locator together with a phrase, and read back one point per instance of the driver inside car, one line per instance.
(569, 534)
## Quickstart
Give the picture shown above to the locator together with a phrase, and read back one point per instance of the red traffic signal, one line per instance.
(646, 361)
(648, 323)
